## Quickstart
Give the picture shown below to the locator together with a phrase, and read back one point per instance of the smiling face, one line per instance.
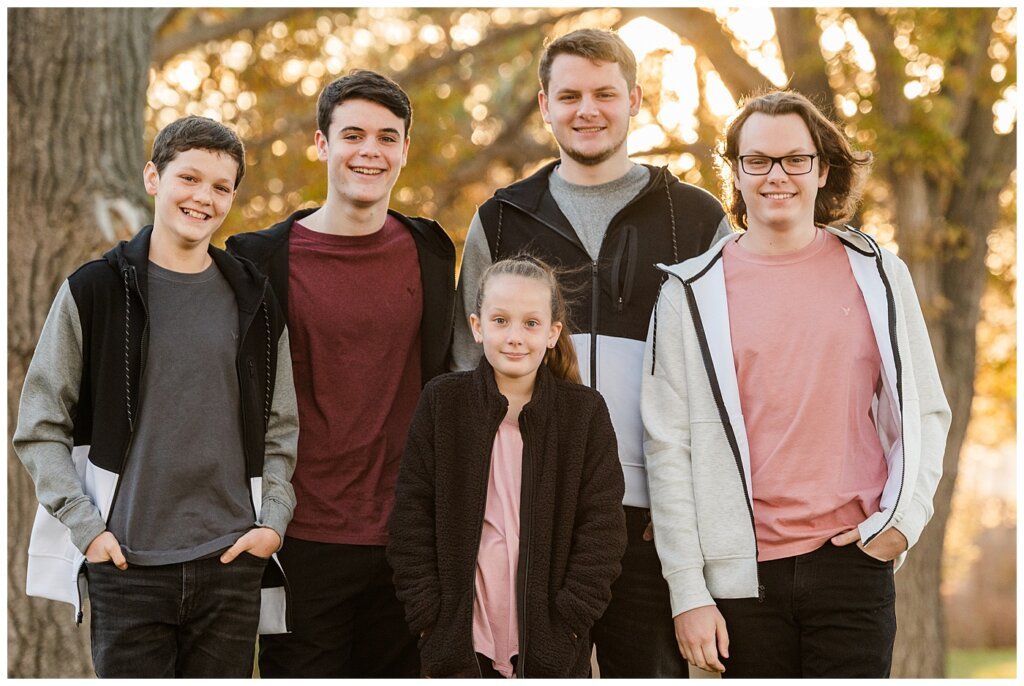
(365, 150)
(515, 327)
(778, 201)
(588, 105)
(193, 195)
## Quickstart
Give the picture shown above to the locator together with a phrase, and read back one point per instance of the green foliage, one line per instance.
(982, 664)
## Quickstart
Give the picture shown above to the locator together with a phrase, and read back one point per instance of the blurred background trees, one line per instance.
(931, 92)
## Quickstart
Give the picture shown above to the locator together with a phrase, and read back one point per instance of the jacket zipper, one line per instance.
(524, 623)
(479, 535)
(727, 425)
(241, 385)
(595, 285)
(891, 302)
(138, 393)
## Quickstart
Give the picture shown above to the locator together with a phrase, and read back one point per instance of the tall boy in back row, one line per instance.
(369, 295)
(609, 220)
(167, 362)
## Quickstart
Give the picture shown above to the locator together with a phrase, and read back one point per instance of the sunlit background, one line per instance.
(474, 72)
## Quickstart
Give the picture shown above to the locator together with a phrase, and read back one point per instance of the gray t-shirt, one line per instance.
(184, 493)
(590, 209)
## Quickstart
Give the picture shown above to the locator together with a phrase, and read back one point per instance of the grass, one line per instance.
(982, 664)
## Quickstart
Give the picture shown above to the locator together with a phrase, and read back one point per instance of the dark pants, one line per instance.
(193, 619)
(830, 613)
(636, 638)
(346, 620)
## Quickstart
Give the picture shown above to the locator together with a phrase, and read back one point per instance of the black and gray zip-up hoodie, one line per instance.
(612, 297)
(268, 249)
(80, 404)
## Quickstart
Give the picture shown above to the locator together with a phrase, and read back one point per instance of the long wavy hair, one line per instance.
(847, 169)
(561, 359)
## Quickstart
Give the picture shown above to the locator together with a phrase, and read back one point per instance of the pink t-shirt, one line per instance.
(807, 365)
(495, 621)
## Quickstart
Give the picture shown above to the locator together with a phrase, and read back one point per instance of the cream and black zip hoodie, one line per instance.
(695, 442)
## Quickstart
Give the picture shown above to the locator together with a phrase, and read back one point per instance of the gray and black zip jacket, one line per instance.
(268, 249)
(612, 297)
(80, 404)
(696, 447)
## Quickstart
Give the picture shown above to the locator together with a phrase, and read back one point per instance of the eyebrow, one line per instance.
(793, 151)
(359, 129)
(198, 172)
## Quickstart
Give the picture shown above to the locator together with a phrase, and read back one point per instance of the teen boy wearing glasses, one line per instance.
(795, 421)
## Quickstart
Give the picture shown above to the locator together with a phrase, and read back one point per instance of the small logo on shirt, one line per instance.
(234, 335)
(846, 310)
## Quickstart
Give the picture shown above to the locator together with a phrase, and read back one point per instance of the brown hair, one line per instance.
(197, 133)
(362, 84)
(597, 45)
(561, 359)
(847, 168)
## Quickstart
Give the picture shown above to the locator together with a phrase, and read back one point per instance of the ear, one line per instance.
(542, 100)
(636, 98)
(556, 330)
(823, 176)
(475, 325)
(405, 150)
(321, 145)
(150, 177)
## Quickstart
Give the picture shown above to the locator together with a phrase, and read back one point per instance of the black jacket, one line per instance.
(111, 295)
(613, 296)
(269, 250)
(572, 526)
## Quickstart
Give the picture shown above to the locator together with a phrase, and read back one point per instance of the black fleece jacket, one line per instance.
(572, 526)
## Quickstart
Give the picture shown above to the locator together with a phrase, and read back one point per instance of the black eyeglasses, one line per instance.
(762, 165)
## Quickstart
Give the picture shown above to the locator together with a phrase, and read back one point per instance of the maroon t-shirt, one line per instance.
(354, 304)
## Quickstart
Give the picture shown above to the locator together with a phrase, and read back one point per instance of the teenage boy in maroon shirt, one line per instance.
(369, 297)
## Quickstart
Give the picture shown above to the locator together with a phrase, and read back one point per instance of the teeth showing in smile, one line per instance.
(778, 196)
(194, 214)
(589, 129)
(367, 170)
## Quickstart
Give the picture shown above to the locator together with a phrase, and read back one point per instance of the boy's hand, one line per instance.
(261, 542)
(106, 548)
(701, 636)
(885, 547)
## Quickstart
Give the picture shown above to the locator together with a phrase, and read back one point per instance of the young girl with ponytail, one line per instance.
(508, 529)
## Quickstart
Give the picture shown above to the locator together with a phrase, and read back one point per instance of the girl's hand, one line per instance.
(261, 542)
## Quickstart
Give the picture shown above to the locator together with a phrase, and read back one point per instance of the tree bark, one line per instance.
(76, 94)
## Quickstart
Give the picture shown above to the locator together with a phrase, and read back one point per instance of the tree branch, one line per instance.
(198, 32)
(797, 33)
(701, 30)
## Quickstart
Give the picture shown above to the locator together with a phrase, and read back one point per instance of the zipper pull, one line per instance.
(252, 369)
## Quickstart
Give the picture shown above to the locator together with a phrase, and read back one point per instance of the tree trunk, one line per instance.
(76, 95)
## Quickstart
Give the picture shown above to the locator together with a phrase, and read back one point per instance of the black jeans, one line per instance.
(346, 620)
(192, 619)
(830, 613)
(636, 638)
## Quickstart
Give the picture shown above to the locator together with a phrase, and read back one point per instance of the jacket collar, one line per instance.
(262, 244)
(532, 191)
(241, 274)
(488, 393)
(689, 269)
